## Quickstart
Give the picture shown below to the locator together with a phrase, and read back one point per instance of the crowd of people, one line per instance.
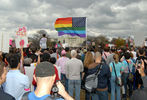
(59, 73)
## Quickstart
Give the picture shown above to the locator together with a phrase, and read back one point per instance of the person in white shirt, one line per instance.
(43, 42)
(73, 68)
(134, 53)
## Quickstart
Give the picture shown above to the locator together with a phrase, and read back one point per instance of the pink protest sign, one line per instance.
(21, 37)
(21, 42)
(10, 42)
(21, 31)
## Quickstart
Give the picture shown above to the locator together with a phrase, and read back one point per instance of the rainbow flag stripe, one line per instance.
(74, 26)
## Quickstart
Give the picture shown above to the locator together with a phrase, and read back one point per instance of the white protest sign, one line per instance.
(1, 41)
(145, 43)
(4, 43)
(21, 38)
(21, 41)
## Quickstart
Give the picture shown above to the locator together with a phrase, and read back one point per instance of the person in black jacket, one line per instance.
(3, 73)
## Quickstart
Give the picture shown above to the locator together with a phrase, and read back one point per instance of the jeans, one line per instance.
(74, 84)
(113, 88)
(87, 95)
(100, 95)
(109, 85)
(127, 83)
(65, 81)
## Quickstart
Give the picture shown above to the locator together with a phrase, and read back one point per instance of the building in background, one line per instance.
(71, 41)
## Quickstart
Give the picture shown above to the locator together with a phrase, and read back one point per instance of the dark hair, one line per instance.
(53, 60)
(2, 65)
(54, 50)
(141, 51)
(33, 57)
(127, 55)
(46, 57)
(44, 35)
(106, 49)
(14, 60)
(7, 56)
(12, 50)
(67, 49)
(91, 49)
(124, 49)
(113, 49)
(33, 49)
(3, 56)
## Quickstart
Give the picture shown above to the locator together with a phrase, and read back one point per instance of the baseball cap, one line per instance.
(63, 52)
(45, 69)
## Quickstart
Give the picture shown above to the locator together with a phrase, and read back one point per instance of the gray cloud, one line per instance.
(103, 16)
(127, 2)
(71, 4)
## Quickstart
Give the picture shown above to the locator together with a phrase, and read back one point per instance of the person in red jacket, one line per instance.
(46, 57)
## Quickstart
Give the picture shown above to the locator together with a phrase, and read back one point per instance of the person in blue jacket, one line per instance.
(101, 93)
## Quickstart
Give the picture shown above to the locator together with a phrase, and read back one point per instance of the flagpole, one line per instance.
(86, 33)
(2, 43)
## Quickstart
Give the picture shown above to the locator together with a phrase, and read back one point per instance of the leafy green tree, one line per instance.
(119, 42)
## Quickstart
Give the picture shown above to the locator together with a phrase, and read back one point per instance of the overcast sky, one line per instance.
(121, 17)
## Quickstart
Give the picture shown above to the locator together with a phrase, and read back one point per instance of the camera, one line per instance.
(55, 90)
(139, 62)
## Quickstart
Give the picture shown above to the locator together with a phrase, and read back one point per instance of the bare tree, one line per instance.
(35, 39)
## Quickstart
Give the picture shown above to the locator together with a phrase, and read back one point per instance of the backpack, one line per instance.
(131, 76)
(91, 80)
(25, 97)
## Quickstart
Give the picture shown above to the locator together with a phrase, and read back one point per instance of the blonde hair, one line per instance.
(89, 59)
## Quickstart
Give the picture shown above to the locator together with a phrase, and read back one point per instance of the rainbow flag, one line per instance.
(74, 26)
